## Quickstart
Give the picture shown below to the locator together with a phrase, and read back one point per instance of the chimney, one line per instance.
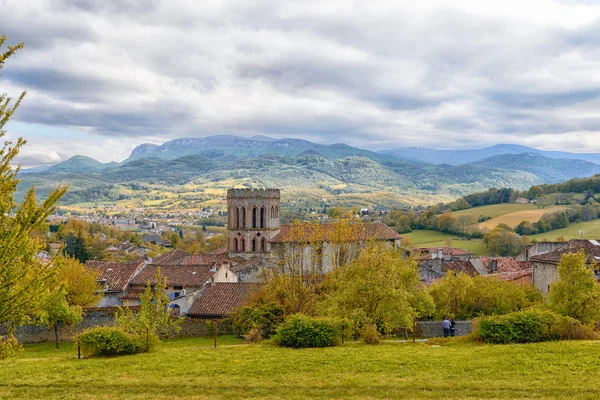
(494, 266)
(213, 268)
(212, 281)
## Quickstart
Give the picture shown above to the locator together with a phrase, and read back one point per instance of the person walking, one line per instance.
(446, 326)
(452, 326)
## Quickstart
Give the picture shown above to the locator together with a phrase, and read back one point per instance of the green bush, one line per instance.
(264, 316)
(111, 341)
(533, 325)
(301, 331)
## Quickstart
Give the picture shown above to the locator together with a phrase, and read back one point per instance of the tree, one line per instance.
(504, 242)
(153, 318)
(77, 288)
(576, 293)
(75, 247)
(174, 239)
(24, 280)
(379, 288)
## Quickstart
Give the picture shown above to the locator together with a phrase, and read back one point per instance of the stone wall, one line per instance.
(190, 327)
(430, 329)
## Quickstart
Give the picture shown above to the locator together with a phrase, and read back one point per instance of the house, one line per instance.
(155, 239)
(545, 266)
(181, 280)
(114, 278)
(220, 299)
(522, 200)
(434, 262)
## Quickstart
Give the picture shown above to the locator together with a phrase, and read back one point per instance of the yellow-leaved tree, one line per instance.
(25, 281)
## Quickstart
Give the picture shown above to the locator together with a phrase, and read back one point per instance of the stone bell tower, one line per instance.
(253, 219)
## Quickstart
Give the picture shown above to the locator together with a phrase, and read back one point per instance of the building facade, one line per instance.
(253, 219)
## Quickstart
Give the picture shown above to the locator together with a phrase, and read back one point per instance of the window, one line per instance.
(254, 244)
(263, 245)
(243, 249)
(235, 244)
(263, 217)
(243, 217)
(236, 218)
(254, 217)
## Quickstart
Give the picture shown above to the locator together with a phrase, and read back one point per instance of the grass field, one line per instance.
(190, 369)
(591, 230)
(510, 214)
(423, 238)
(495, 210)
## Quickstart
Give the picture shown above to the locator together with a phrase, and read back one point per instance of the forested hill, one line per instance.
(302, 169)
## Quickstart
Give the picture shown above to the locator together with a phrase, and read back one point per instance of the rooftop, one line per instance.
(116, 274)
(222, 298)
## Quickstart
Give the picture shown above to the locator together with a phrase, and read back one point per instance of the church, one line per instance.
(256, 239)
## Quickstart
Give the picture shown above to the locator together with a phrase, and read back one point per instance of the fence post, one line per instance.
(414, 330)
(78, 350)
(215, 332)
(3, 348)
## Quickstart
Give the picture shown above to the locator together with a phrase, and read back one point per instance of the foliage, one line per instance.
(370, 334)
(9, 347)
(112, 341)
(503, 242)
(153, 319)
(290, 291)
(576, 293)
(380, 287)
(301, 331)
(464, 297)
(24, 280)
(76, 288)
(532, 325)
(261, 315)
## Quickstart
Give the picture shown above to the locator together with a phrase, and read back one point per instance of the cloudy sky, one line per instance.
(104, 76)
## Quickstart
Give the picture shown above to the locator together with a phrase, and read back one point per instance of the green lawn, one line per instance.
(190, 369)
(591, 230)
(424, 238)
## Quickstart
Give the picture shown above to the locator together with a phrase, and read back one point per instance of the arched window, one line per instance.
(263, 245)
(254, 244)
(272, 212)
(236, 218)
(254, 217)
(276, 212)
(263, 217)
(243, 218)
(235, 244)
(243, 245)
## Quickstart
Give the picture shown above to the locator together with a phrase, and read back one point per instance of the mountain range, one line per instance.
(313, 172)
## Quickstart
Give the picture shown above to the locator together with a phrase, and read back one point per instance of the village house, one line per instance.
(545, 266)
(156, 240)
(220, 299)
(114, 278)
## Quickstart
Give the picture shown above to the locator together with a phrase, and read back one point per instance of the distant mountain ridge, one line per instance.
(457, 157)
(309, 170)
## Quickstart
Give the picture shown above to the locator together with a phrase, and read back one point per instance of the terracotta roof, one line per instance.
(220, 250)
(116, 274)
(459, 266)
(589, 247)
(195, 259)
(372, 230)
(506, 264)
(221, 299)
(132, 294)
(170, 257)
(524, 276)
(186, 275)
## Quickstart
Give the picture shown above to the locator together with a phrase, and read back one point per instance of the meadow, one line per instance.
(580, 230)
(425, 238)
(509, 214)
(191, 369)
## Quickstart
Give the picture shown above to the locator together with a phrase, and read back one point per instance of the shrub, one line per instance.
(263, 315)
(533, 325)
(300, 331)
(370, 334)
(111, 341)
(254, 335)
(9, 347)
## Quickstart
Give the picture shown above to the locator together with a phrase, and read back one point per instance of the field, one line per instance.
(590, 230)
(509, 214)
(190, 369)
(435, 239)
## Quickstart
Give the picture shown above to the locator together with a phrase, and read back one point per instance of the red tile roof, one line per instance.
(221, 299)
(506, 264)
(117, 275)
(195, 259)
(524, 276)
(459, 266)
(186, 275)
(132, 294)
(242, 265)
(429, 252)
(170, 257)
(366, 231)
(589, 247)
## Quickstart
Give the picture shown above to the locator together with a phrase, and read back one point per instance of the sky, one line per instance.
(105, 76)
